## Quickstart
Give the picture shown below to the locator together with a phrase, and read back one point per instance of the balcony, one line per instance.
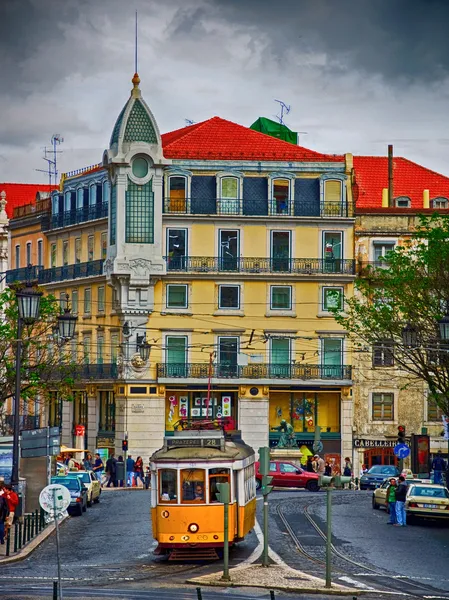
(259, 207)
(26, 422)
(256, 371)
(74, 217)
(42, 276)
(295, 266)
(34, 208)
(95, 371)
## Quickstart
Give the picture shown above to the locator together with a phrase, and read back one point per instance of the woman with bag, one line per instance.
(138, 471)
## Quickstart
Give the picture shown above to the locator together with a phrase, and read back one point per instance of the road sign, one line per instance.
(401, 450)
(54, 496)
(45, 441)
(318, 446)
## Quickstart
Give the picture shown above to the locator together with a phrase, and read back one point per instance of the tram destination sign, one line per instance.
(194, 442)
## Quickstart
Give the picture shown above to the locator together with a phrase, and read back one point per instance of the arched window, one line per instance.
(403, 202)
(55, 204)
(177, 193)
(92, 194)
(67, 201)
(280, 204)
(332, 198)
(105, 191)
(229, 195)
(79, 198)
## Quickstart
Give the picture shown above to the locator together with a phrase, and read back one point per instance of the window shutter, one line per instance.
(332, 191)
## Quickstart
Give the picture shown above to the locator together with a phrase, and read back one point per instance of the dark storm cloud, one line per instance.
(399, 39)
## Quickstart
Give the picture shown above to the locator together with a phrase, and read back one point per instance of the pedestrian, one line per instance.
(309, 465)
(363, 470)
(120, 468)
(320, 464)
(130, 470)
(87, 462)
(12, 499)
(98, 468)
(72, 464)
(147, 477)
(328, 470)
(390, 501)
(138, 471)
(401, 493)
(4, 513)
(438, 466)
(347, 471)
(111, 470)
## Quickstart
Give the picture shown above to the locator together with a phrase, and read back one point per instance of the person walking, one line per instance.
(309, 465)
(390, 501)
(347, 471)
(129, 470)
(120, 468)
(138, 471)
(4, 513)
(12, 499)
(438, 466)
(98, 468)
(401, 493)
(320, 464)
(111, 470)
(87, 462)
(328, 470)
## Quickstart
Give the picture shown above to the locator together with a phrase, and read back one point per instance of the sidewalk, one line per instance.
(29, 547)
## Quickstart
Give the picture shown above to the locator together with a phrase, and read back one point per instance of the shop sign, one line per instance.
(80, 430)
(104, 442)
(362, 443)
(137, 408)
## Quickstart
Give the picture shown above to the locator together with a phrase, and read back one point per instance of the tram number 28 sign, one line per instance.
(193, 442)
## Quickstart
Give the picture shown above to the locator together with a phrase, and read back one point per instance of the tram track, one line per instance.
(372, 577)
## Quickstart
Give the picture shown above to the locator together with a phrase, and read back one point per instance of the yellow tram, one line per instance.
(188, 520)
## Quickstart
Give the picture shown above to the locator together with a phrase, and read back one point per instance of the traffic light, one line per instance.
(264, 460)
(223, 494)
(266, 487)
(401, 434)
(125, 445)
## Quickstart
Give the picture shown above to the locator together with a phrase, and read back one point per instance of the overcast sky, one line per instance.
(358, 74)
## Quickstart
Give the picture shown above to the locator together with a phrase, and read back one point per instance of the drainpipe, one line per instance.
(390, 176)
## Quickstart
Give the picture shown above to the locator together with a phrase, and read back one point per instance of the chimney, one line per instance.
(390, 176)
(426, 199)
(385, 198)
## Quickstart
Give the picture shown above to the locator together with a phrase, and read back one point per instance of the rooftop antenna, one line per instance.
(189, 122)
(284, 107)
(50, 155)
(135, 49)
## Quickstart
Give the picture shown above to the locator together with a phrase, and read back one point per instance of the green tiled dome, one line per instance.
(118, 124)
(139, 127)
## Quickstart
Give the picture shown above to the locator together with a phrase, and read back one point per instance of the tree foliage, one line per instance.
(410, 288)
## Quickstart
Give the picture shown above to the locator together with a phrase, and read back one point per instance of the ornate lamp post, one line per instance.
(144, 350)
(410, 336)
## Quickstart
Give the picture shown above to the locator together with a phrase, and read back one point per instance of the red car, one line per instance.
(286, 474)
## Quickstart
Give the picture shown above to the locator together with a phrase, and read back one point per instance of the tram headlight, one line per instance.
(193, 528)
(185, 538)
(165, 514)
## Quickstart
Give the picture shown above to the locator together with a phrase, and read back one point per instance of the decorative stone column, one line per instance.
(92, 417)
(253, 418)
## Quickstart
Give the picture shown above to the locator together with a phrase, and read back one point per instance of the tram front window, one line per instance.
(168, 485)
(216, 476)
(193, 488)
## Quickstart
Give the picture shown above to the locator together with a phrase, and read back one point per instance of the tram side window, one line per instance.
(168, 485)
(193, 488)
(216, 476)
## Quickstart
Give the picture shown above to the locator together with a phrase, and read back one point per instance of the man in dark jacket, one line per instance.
(4, 513)
(438, 466)
(401, 493)
(111, 470)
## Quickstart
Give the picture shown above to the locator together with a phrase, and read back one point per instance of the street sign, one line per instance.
(45, 441)
(318, 446)
(54, 496)
(401, 450)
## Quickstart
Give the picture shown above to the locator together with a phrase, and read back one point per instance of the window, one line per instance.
(280, 251)
(381, 249)
(403, 202)
(177, 249)
(332, 298)
(177, 192)
(229, 195)
(100, 299)
(105, 191)
(280, 357)
(17, 257)
(440, 203)
(65, 252)
(67, 201)
(177, 296)
(229, 296)
(383, 405)
(228, 249)
(28, 254)
(140, 167)
(80, 408)
(434, 412)
(55, 205)
(87, 301)
(139, 218)
(228, 349)
(79, 198)
(53, 255)
(168, 485)
(193, 488)
(75, 302)
(217, 476)
(332, 251)
(176, 355)
(74, 348)
(113, 213)
(92, 195)
(87, 344)
(104, 245)
(332, 357)
(100, 349)
(332, 192)
(40, 253)
(77, 250)
(90, 247)
(281, 197)
(383, 354)
(54, 410)
(281, 297)
(114, 347)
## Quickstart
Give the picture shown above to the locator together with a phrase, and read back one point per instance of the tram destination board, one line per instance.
(194, 442)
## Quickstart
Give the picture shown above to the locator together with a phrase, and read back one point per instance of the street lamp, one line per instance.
(144, 350)
(66, 323)
(410, 336)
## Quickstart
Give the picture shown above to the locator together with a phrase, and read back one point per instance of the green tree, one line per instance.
(409, 290)
(46, 363)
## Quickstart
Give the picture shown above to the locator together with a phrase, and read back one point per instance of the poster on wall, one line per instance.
(6, 462)
(183, 406)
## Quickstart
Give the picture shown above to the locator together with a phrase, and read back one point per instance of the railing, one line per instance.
(95, 371)
(257, 371)
(25, 422)
(296, 266)
(82, 171)
(33, 208)
(257, 207)
(24, 531)
(42, 276)
(79, 215)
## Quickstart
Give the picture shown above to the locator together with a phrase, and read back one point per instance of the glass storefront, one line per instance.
(192, 405)
(305, 410)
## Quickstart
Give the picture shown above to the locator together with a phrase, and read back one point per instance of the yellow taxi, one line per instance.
(430, 501)
(91, 482)
(380, 494)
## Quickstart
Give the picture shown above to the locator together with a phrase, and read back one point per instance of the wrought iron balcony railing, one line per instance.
(95, 371)
(296, 266)
(42, 276)
(256, 371)
(33, 208)
(79, 215)
(258, 207)
(26, 422)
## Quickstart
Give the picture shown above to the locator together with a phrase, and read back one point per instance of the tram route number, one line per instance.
(191, 442)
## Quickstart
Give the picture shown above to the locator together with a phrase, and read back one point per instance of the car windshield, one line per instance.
(70, 483)
(429, 492)
(84, 477)
(383, 470)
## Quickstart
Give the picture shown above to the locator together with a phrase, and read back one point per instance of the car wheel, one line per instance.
(375, 505)
(84, 506)
(80, 510)
(410, 519)
(97, 499)
(258, 484)
(312, 486)
(89, 501)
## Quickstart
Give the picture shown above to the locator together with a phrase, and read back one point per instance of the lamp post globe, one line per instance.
(66, 325)
(28, 304)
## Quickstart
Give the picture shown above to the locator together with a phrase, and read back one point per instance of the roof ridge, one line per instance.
(188, 129)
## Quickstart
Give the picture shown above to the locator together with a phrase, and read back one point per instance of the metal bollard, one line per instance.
(199, 594)
(32, 525)
(36, 517)
(29, 528)
(55, 590)
(272, 597)
(8, 542)
(20, 535)
(16, 536)
(24, 527)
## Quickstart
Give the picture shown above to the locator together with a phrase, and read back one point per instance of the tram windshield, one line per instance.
(168, 485)
(216, 476)
(193, 488)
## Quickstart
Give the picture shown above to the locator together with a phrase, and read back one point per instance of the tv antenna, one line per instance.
(284, 108)
(189, 122)
(50, 155)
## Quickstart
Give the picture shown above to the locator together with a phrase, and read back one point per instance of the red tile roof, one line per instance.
(218, 139)
(409, 179)
(18, 194)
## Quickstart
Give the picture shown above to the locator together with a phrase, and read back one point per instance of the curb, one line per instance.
(301, 590)
(123, 489)
(31, 546)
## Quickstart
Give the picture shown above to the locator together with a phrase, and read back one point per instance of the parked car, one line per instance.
(430, 501)
(286, 474)
(90, 480)
(380, 493)
(78, 493)
(376, 476)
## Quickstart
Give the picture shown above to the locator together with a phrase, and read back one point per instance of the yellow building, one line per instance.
(225, 249)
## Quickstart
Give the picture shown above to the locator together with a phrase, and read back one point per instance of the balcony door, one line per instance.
(177, 190)
(176, 249)
(228, 249)
(229, 196)
(280, 251)
(228, 348)
(332, 358)
(280, 362)
(332, 251)
(176, 355)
